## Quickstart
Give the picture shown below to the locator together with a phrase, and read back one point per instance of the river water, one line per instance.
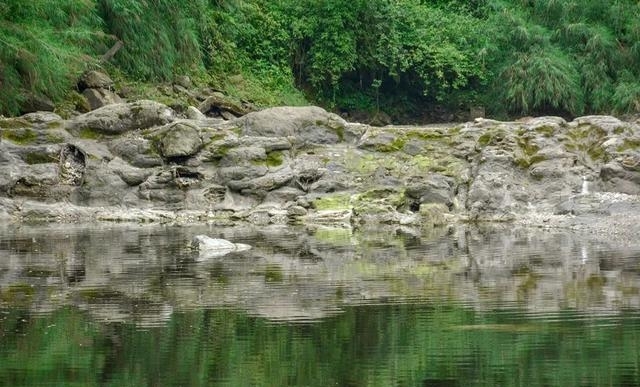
(134, 305)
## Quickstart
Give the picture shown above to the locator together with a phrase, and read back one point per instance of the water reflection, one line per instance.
(130, 305)
(145, 273)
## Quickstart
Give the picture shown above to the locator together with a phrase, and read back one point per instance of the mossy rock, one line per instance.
(545, 130)
(39, 158)
(90, 134)
(396, 145)
(341, 201)
(433, 214)
(492, 137)
(14, 123)
(22, 136)
(379, 201)
(629, 144)
(55, 137)
(526, 162)
(274, 159)
(587, 140)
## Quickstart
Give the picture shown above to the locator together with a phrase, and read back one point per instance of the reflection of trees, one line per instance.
(380, 345)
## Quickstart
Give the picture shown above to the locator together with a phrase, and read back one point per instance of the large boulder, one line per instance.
(308, 124)
(136, 150)
(98, 98)
(179, 139)
(218, 104)
(120, 118)
(95, 80)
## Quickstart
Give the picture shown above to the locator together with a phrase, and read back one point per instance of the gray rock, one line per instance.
(269, 144)
(179, 139)
(243, 156)
(163, 187)
(101, 186)
(129, 174)
(283, 195)
(379, 140)
(606, 123)
(193, 113)
(435, 188)
(136, 150)
(217, 103)
(214, 247)
(264, 183)
(41, 117)
(305, 123)
(184, 81)
(98, 98)
(37, 103)
(244, 173)
(95, 80)
(617, 178)
(122, 117)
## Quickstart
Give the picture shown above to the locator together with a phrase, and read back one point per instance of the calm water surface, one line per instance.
(132, 305)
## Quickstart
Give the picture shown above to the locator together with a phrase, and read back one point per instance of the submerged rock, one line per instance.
(215, 247)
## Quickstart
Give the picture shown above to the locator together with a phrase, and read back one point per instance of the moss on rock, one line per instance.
(341, 201)
(22, 136)
(274, 159)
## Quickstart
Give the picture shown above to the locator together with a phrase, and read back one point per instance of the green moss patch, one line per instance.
(587, 140)
(395, 145)
(89, 134)
(629, 144)
(54, 138)
(333, 202)
(492, 137)
(21, 136)
(379, 200)
(274, 159)
(546, 130)
(39, 158)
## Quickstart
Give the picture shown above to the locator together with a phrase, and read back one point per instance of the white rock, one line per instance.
(216, 247)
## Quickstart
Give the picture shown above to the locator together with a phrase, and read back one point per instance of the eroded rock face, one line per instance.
(286, 165)
(121, 118)
(307, 124)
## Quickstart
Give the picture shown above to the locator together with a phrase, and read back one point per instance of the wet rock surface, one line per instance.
(140, 161)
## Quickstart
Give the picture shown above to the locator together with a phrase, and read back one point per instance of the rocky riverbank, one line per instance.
(143, 161)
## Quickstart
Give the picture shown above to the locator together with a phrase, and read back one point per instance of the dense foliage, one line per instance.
(408, 58)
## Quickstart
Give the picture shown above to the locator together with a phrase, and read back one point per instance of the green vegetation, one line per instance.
(413, 59)
(274, 159)
(20, 136)
(333, 202)
(39, 158)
